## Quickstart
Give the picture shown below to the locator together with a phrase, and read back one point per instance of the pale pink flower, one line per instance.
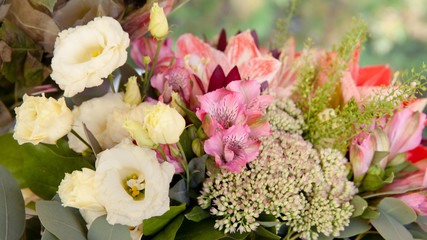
(415, 200)
(361, 156)
(147, 47)
(176, 79)
(232, 148)
(416, 179)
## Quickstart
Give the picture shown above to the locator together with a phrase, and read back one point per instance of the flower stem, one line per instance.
(147, 80)
(187, 171)
(80, 138)
(158, 148)
(112, 83)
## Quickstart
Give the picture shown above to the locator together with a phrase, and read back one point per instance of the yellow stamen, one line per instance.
(134, 177)
(95, 53)
(135, 193)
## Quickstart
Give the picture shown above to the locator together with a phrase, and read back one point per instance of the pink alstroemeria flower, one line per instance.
(241, 51)
(176, 78)
(416, 179)
(404, 131)
(232, 148)
(142, 47)
(361, 156)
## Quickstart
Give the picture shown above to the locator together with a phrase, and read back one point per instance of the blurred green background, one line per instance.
(397, 28)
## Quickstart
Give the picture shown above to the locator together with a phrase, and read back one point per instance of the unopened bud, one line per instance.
(132, 94)
(158, 25)
(174, 151)
(146, 60)
(197, 147)
(177, 101)
(138, 133)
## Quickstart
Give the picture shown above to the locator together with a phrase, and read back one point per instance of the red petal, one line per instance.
(374, 76)
(417, 154)
(241, 48)
(222, 41)
(217, 79)
(232, 76)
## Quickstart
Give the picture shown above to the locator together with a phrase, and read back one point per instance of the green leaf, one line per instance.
(48, 236)
(197, 167)
(378, 156)
(359, 204)
(25, 66)
(417, 231)
(191, 115)
(390, 228)
(179, 192)
(61, 221)
(11, 158)
(397, 209)
(102, 230)
(155, 224)
(324, 237)
(12, 207)
(263, 233)
(422, 222)
(169, 232)
(49, 4)
(45, 166)
(203, 230)
(356, 226)
(127, 71)
(197, 214)
(370, 214)
(186, 142)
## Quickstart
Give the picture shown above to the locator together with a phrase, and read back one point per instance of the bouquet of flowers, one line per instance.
(221, 139)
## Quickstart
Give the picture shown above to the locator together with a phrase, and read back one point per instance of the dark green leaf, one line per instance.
(370, 214)
(390, 228)
(179, 192)
(191, 115)
(356, 226)
(102, 230)
(185, 140)
(197, 167)
(197, 214)
(359, 204)
(263, 233)
(96, 147)
(323, 237)
(398, 210)
(155, 224)
(169, 232)
(45, 166)
(127, 71)
(49, 4)
(417, 231)
(422, 222)
(12, 207)
(203, 230)
(11, 158)
(48, 236)
(61, 221)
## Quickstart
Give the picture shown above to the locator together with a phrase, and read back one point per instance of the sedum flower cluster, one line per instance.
(304, 188)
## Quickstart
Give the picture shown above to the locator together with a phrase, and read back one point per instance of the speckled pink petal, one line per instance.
(241, 48)
(259, 69)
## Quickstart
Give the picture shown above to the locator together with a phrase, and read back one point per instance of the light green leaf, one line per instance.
(49, 4)
(45, 166)
(390, 228)
(417, 231)
(11, 158)
(356, 226)
(265, 234)
(169, 232)
(370, 214)
(61, 221)
(397, 209)
(48, 236)
(155, 224)
(359, 204)
(12, 207)
(197, 214)
(102, 230)
(422, 222)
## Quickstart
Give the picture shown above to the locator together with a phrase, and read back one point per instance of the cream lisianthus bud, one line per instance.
(138, 133)
(40, 119)
(177, 101)
(163, 124)
(132, 94)
(158, 25)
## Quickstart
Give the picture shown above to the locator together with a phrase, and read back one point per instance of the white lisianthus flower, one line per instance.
(40, 119)
(94, 113)
(78, 190)
(131, 184)
(85, 54)
(163, 124)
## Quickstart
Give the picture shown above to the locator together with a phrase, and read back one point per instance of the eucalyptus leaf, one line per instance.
(45, 166)
(179, 192)
(61, 221)
(49, 4)
(398, 210)
(323, 237)
(12, 207)
(155, 224)
(422, 222)
(390, 228)
(169, 232)
(417, 231)
(48, 236)
(197, 168)
(102, 230)
(370, 214)
(197, 214)
(359, 204)
(356, 226)
(11, 158)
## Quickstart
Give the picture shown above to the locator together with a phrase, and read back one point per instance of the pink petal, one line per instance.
(259, 69)
(349, 89)
(247, 89)
(241, 48)
(361, 156)
(416, 201)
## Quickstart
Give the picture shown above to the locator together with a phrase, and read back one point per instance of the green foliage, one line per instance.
(49, 4)
(102, 230)
(281, 33)
(12, 207)
(11, 158)
(356, 226)
(155, 224)
(169, 232)
(197, 214)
